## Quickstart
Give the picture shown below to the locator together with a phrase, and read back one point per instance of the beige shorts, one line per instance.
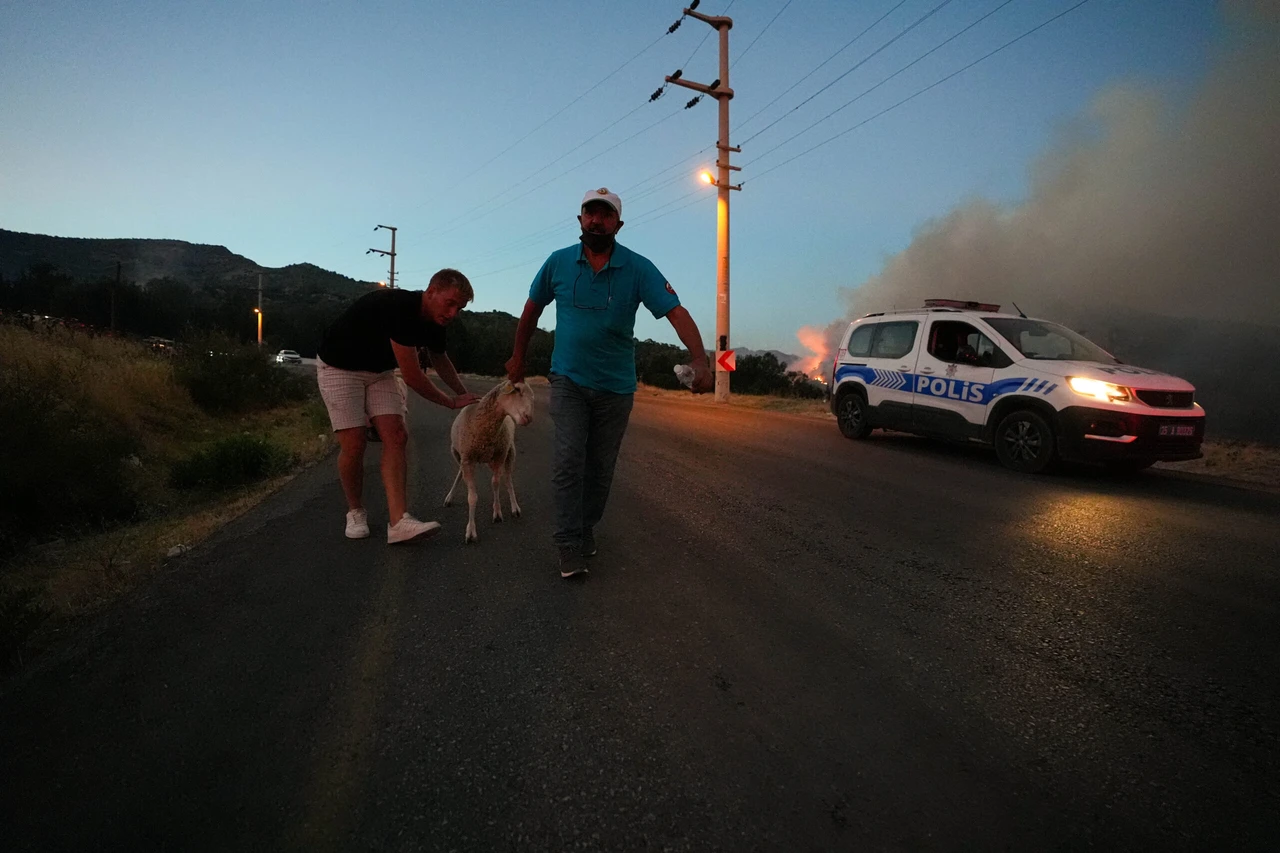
(354, 396)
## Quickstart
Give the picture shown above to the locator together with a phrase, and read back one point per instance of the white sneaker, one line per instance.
(409, 529)
(357, 524)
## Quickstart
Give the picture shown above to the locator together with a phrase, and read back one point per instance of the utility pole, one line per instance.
(258, 310)
(723, 94)
(391, 281)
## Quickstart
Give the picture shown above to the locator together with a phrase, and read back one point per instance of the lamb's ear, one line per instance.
(506, 387)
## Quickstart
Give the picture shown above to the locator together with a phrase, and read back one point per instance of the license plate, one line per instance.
(1177, 429)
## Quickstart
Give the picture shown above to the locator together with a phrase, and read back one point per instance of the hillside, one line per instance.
(785, 357)
(143, 261)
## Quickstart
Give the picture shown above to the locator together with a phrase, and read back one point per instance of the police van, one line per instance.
(1036, 391)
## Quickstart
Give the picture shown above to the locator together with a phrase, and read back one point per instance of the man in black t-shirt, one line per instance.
(366, 359)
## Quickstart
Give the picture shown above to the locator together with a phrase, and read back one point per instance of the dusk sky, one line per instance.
(286, 131)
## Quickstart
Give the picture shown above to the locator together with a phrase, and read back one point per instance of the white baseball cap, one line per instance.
(603, 194)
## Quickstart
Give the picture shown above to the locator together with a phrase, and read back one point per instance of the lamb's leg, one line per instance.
(508, 470)
(469, 474)
(495, 481)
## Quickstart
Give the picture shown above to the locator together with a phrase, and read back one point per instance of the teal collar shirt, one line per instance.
(596, 313)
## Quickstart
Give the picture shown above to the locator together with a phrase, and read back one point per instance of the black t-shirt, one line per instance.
(360, 339)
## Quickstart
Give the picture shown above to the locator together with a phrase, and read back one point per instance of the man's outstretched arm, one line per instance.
(683, 323)
(407, 358)
(443, 366)
(524, 332)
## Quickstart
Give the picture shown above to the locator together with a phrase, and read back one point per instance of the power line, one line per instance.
(625, 193)
(529, 262)
(919, 92)
(866, 92)
(659, 187)
(562, 174)
(858, 65)
(643, 219)
(674, 210)
(534, 236)
(762, 32)
(675, 165)
(519, 243)
(558, 223)
(549, 230)
(557, 113)
(704, 38)
(678, 176)
(446, 229)
(847, 44)
(648, 216)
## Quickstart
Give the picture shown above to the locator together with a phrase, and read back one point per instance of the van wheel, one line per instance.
(851, 415)
(1024, 442)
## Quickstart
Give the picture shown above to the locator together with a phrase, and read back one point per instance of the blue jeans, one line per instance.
(589, 429)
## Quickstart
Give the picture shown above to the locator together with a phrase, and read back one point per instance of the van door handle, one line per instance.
(926, 370)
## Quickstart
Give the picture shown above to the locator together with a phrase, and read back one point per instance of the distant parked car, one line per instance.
(288, 356)
(162, 346)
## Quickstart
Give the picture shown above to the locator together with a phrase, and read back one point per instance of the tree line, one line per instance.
(479, 341)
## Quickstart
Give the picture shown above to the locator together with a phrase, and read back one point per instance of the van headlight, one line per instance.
(1097, 389)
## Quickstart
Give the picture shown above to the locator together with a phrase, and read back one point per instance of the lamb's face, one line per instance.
(516, 399)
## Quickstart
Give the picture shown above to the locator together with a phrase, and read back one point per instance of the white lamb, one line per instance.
(485, 433)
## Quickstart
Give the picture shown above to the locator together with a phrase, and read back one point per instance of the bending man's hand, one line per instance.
(463, 400)
(515, 369)
(703, 380)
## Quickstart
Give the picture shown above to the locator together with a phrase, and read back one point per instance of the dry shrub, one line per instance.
(74, 411)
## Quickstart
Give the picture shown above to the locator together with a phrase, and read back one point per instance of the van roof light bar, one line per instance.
(961, 304)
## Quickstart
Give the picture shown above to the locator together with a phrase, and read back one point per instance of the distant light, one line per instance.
(382, 284)
(706, 177)
(257, 310)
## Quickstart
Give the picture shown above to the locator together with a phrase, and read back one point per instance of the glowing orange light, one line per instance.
(706, 177)
(814, 340)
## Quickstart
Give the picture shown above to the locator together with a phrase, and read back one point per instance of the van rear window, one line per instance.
(894, 340)
(860, 341)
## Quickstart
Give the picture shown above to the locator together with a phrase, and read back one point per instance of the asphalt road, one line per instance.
(788, 641)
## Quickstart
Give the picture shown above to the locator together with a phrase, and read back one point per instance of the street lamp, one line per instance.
(706, 177)
(258, 311)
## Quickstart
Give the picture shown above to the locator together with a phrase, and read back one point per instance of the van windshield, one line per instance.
(1043, 341)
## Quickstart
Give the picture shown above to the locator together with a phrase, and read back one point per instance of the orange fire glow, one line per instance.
(814, 340)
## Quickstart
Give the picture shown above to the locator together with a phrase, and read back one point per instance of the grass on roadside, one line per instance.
(113, 464)
(1242, 461)
(809, 408)
(80, 572)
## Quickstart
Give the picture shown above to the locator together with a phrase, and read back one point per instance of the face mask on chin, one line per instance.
(598, 243)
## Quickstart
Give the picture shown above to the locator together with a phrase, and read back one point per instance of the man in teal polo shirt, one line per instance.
(597, 287)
